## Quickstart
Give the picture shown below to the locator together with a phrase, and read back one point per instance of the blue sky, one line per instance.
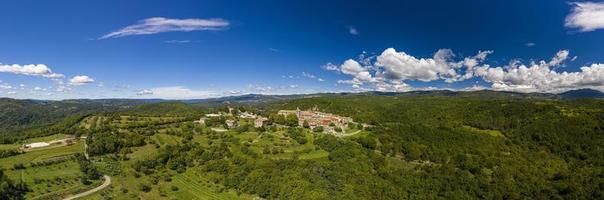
(198, 49)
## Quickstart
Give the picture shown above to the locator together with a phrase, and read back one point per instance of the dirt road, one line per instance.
(89, 192)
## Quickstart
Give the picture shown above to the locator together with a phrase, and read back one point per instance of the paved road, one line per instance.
(89, 192)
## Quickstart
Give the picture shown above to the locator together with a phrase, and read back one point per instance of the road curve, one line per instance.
(89, 192)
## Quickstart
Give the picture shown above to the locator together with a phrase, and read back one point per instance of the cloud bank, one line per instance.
(30, 70)
(586, 16)
(156, 25)
(390, 70)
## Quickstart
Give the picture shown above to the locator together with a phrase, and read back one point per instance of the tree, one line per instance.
(291, 120)
(305, 124)
(8, 190)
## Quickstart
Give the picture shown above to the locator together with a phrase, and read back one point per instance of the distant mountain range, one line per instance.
(582, 93)
(22, 114)
(261, 98)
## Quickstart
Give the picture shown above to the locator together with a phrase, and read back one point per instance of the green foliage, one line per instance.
(9, 190)
(418, 147)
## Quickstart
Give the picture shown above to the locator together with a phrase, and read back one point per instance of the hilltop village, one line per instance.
(311, 119)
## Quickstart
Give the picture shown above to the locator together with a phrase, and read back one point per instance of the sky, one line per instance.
(67, 49)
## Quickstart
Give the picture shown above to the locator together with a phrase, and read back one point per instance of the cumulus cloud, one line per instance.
(390, 70)
(80, 80)
(401, 66)
(541, 76)
(586, 16)
(156, 25)
(30, 70)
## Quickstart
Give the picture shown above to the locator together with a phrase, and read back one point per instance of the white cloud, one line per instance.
(530, 44)
(330, 67)
(541, 76)
(320, 79)
(80, 80)
(177, 92)
(37, 88)
(390, 69)
(474, 87)
(559, 58)
(160, 24)
(30, 70)
(586, 16)
(401, 66)
(308, 75)
(5, 86)
(178, 41)
(144, 92)
(352, 30)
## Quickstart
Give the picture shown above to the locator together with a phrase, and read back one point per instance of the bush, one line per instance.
(144, 187)
(19, 166)
(174, 188)
(318, 129)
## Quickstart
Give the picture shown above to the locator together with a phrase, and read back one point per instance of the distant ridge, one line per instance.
(582, 93)
(260, 98)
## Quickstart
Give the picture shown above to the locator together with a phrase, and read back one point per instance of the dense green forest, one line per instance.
(22, 119)
(473, 146)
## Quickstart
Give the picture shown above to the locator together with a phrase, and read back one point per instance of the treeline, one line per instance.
(66, 125)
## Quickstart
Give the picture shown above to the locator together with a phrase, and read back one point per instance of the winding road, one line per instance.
(106, 183)
(92, 191)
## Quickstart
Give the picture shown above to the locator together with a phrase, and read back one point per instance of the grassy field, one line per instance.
(9, 146)
(42, 154)
(52, 181)
(494, 133)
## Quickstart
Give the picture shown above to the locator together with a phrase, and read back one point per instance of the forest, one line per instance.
(414, 147)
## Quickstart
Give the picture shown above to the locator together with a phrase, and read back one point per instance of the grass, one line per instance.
(50, 181)
(42, 154)
(494, 133)
(9, 146)
(45, 139)
(163, 139)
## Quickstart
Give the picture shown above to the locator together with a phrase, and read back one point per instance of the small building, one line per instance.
(231, 123)
(36, 145)
(202, 120)
(213, 115)
(260, 122)
(246, 115)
